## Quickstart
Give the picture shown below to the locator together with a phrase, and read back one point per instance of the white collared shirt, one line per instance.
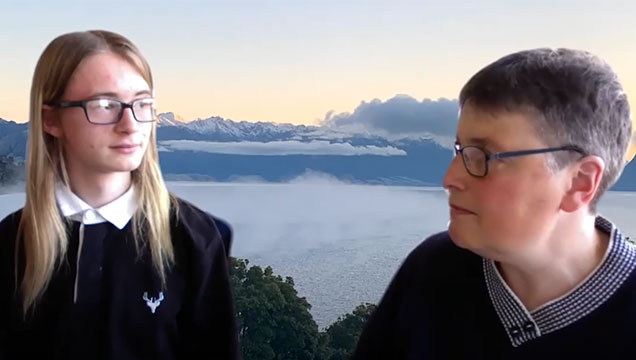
(118, 212)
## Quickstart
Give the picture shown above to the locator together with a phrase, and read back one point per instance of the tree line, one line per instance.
(275, 323)
(10, 170)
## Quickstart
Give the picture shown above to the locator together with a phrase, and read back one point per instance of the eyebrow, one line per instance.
(114, 95)
(481, 141)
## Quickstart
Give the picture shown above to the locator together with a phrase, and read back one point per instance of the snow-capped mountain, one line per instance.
(170, 119)
(224, 150)
(222, 129)
(13, 138)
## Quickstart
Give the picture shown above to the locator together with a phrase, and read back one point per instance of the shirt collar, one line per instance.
(522, 325)
(118, 212)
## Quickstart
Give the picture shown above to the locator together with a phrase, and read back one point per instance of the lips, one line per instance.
(458, 210)
(125, 146)
(127, 149)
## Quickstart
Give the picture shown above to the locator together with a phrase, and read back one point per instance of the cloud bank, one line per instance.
(292, 147)
(400, 116)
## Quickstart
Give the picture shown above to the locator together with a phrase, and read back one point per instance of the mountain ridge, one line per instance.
(344, 154)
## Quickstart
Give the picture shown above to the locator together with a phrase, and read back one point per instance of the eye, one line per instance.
(102, 104)
(107, 105)
(144, 103)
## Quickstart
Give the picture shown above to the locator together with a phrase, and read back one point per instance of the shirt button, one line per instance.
(514, 331)
(528, 326)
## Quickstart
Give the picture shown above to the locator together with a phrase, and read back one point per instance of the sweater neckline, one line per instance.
(523, 325)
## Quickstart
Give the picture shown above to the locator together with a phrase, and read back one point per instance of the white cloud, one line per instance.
(315, 147)
(398, 117)
(313, 177)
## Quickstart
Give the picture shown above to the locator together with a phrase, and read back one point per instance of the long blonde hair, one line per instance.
(42, 231)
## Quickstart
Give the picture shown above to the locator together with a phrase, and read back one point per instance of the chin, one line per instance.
(461, 244)
(463, 238)
(130, 163)
(125, 167)
(133, 167)
(456, 236)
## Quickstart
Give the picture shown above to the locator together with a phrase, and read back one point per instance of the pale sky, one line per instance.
(294, 61)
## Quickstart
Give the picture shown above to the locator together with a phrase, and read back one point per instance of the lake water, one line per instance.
(341, 243)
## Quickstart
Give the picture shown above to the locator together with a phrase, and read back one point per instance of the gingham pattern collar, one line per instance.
(523, 326)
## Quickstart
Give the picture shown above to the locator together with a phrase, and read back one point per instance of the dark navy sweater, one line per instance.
(440, 305)
(121, 310)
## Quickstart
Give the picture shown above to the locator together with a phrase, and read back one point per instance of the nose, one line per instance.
(455, 176)
(127, 123)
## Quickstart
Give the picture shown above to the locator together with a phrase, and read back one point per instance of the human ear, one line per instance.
(51, 122)
(585, 178)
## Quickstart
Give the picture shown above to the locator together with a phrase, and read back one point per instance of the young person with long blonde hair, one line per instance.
(102, 261)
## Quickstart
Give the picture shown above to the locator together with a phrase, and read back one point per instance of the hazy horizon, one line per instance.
(340, 242)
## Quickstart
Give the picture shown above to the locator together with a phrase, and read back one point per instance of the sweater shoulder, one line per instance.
(11, 221)
(9, 230)
(204, 229)
(437, 257)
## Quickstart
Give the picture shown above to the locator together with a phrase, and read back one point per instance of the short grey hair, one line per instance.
(576, 99)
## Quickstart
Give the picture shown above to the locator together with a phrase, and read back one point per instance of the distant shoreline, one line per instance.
(256, 181)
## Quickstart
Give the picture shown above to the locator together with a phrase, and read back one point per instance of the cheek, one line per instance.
(502, 205)
(518, 209)
(147, 132)
(497, 196)
(84, 139)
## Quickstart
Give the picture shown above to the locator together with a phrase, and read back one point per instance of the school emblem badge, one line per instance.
(153, 303)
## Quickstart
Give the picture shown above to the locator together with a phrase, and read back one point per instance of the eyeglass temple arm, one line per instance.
(532, 152)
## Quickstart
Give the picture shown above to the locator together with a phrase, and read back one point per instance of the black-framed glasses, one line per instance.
(476, 159)
(110, 111)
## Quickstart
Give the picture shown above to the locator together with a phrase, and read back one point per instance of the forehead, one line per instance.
(497, 129)
(105, 73)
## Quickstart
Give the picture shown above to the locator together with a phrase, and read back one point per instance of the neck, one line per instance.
(566, 257)
(98, 190)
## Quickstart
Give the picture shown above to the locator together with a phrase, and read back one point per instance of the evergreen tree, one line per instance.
(8, 170)
(343, 334)
(274, 322)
